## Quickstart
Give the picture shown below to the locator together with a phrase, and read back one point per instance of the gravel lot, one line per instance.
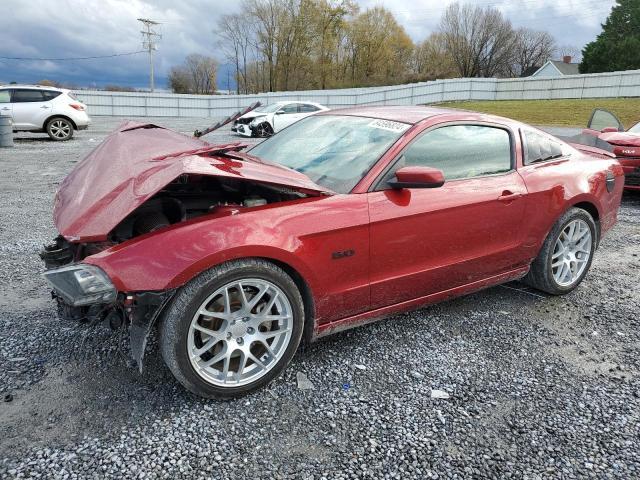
(538, 386)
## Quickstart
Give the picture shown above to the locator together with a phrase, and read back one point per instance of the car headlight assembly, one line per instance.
(81, 285)
(256, 121)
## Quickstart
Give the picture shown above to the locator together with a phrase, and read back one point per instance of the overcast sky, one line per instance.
(77, 28)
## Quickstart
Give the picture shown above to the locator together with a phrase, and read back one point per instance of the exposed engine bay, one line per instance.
(193, 196)
(188, 197)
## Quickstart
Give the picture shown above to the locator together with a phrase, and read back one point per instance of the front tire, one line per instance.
(59, 129)
(263, 130)
(232, 329)
(566, 254)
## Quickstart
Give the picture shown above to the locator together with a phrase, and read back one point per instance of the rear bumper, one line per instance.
(631, 168)
(81, 119)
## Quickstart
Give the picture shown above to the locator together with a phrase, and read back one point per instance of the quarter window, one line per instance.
(462, 151)
(540, 147)
(306, 108)
(4, 96)
(50, 94)
(24, 96)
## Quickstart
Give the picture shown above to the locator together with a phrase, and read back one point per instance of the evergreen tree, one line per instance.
(618, 46)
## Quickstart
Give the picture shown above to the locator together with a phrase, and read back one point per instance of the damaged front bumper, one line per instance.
(85, 293)
(243, 129)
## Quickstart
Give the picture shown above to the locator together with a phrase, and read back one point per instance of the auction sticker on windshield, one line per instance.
(389, 125)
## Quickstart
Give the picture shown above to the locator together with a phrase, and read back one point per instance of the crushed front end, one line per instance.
(85, 293)
(145, 181)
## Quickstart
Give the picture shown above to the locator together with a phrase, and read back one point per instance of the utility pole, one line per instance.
(149, 37)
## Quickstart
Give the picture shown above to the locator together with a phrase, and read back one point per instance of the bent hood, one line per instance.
(621, 138)
(253, 115)
(135, 162)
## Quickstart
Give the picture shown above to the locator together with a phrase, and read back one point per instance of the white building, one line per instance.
(557, 68)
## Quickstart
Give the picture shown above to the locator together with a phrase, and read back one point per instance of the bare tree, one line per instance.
(197, 75)
(569, 51)
(532, 49)
(431, 59)
(480, 40)
(236, 39)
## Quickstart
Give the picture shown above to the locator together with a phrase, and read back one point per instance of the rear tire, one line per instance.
(566, 254)
(216, 342)
(59, 129)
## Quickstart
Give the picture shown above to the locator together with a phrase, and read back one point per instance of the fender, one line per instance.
(303, 235)
(189, 251)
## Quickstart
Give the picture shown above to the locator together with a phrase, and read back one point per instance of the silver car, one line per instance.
(35, 108)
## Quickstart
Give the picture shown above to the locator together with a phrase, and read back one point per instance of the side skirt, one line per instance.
(383, 312)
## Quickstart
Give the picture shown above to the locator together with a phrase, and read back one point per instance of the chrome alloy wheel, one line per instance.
(571, 253)
(240, 332)
(60, 129)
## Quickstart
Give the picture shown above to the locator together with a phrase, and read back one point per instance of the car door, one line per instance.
(425, 241)
(286, 116)
(5, 102)
(601, 119)
(30, 108)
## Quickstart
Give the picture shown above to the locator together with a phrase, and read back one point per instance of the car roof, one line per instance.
(34, 87)
(287, 102)
(411, 114)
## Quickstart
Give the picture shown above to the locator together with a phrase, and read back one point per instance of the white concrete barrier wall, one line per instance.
(597, 85)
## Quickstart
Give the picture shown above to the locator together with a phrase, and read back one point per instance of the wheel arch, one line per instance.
(59, 115)
(298, 272)
(592, 209)
(305, 292)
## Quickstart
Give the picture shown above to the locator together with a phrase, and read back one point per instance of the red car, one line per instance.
(341, 219)
(605, 131)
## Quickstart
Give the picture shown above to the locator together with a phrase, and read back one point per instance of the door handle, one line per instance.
(508, 196)
(44, 106)
(5, 108)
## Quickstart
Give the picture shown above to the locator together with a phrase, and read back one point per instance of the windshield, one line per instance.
(635, 128)
(274, 107)
(333, 151)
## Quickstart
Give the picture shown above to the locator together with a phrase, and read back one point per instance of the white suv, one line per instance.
(34, 108)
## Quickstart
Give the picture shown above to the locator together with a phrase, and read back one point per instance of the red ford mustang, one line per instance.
(606, 132)
(343, 218)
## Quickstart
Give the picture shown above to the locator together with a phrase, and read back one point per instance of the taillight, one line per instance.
(77, 106)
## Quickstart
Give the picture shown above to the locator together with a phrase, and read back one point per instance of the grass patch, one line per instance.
(571, 113)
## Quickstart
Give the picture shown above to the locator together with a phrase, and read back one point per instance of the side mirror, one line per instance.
(280, 112)
(417, 177)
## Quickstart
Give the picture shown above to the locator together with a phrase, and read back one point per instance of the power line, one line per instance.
(71, 58)
(149, 44)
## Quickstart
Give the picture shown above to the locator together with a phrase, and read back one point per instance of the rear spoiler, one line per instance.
(590, 144)
(593, 150)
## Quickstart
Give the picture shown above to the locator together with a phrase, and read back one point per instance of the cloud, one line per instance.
(76, 28)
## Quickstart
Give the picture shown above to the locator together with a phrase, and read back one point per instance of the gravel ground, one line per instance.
(537, 386)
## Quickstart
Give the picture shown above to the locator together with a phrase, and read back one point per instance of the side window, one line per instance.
(291, 108)
(50, 94)
(540, 147)
(4, 96)
(462, 151)
(23, 96)
(306, 108)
